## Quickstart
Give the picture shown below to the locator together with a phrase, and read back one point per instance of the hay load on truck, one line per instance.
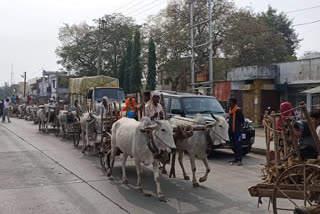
(90, 90)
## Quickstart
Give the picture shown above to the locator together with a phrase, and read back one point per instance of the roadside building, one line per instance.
(52, 85)
(260, 87)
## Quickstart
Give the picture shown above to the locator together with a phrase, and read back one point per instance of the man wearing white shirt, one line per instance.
(6, 111)
(153, 108)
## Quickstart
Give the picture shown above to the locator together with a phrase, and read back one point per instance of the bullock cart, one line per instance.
(107, 121)
(52, 121)
(291, 183)
(75, 132)
(13, 110)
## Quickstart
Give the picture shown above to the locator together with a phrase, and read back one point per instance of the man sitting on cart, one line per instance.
(306, 145)
(153, 108)
(76, 108)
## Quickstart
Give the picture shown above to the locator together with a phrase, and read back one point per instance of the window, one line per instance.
(166, 102)
(53, 83)
(175, 105)
(202, 105)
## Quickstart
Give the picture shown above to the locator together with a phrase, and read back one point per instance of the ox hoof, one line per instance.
(139, 189)
(83, 151)
(202, 179)
(110, 173)
(195, 184)
(186, 178)
(125, 181)
(161, 198)
(164, 172)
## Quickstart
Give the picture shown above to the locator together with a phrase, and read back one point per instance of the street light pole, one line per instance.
(101, 30)
(25, 84)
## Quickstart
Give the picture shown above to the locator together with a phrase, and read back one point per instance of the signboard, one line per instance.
(268, 87)
(245, 87)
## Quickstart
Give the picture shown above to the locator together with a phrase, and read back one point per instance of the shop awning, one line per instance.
(315, 90)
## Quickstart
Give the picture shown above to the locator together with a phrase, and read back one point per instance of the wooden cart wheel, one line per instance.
(76, 135)
(104, 151)
(57, 130)
(297, 188)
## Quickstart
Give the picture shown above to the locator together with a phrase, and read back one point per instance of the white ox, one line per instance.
(66, 120)
(90, 124)
(144, 141)
(22, 111)
(196, 145)
(42, 117)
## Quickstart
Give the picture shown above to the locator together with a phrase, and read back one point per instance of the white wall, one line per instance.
(308, 69)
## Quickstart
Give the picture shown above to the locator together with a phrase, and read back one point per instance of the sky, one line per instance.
(29, 28)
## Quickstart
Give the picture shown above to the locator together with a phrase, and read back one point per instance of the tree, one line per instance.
(124, 70)
(80, 44)
(135, 66)
(152, 61)
(280, 22)
(170, 30)
(251, 42)
(5, 91)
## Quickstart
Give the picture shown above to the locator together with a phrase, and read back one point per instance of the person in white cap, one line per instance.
(52, 103)
(153, 108)
(103, 106)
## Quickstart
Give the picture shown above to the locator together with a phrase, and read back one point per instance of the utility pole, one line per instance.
(25, 84)
(101, 31)
(192, 45)
(210, 47)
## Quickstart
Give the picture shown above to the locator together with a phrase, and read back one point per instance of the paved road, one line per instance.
(40, 173)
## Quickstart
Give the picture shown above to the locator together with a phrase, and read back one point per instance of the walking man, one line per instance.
(236, 120)
(6, 111)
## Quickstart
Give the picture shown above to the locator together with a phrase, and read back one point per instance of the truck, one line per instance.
(90, 90)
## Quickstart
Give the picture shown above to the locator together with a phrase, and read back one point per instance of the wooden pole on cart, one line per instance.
(285, 137)
(275, 139)
(143, 105)
(110, 116)
(267, 135)
(102, 124)
(116, 110)
(163, 107)
(139, 106)
(294, 140)
(315, 137)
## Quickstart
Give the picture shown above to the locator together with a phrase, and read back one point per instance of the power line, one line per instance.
(143, 7)
(307, 23)
(124, 6)
(135, 5)
(307, 8)
(142, 12)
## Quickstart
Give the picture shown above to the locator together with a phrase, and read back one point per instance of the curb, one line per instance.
(258, 151)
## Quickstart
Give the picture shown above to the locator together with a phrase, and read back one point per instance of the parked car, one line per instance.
(188, 105)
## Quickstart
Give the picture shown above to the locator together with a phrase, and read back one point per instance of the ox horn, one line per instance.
(214, 117)
(149, 128)
(210, 125)
(91, 115)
